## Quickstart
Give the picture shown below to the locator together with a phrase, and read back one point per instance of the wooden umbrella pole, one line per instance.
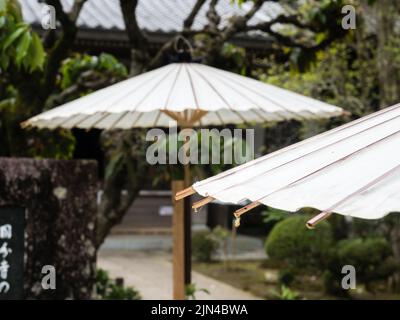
(182, 222)
(178, 243)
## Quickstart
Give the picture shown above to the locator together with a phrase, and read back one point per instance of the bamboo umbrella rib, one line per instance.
(151, 75)
(229, 85)
(64, 121)
(295, 116)
(336, 162)
(152, 89)
(197, 205)
(312, 222)
(140, 114)
(145, 96)
(94, 124)
(114, 124)
(299, 144)
(143, 83)
(184, 193)
(172, 87)
(234, 77)
(77, 124)
(157, 118)
(307, 154)
(219, 117)
(192, 86)
(220, 96)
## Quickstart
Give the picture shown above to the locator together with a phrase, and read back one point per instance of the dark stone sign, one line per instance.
(59, 198)
(12, 233)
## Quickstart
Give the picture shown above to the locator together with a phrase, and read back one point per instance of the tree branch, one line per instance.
(136, 37)
(188, 22)
(138, 41)
(239, 23)
(213, 17)
(61, 47)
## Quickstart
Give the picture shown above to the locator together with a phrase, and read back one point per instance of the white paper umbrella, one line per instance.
(353, 170)
(190, 93)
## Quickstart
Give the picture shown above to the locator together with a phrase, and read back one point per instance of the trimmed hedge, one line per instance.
(292, 243)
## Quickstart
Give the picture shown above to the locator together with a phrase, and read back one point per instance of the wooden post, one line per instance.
(178, 243)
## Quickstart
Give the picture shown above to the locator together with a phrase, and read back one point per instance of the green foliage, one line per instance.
(219, 146)
(19, 46)
(272, 216)
(57, 144)
(286, 293)
(191, 290)
(363, 253)
(108, 290)
(204, 246)
(371, 258)
(292, 243)
(220, 233)
(104, 64)
(286, 277)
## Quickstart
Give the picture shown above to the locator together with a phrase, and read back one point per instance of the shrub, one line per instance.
(286, 293)
(295, 245)
(371, 258)
(286, 277)
(107, 289)
(204, 246)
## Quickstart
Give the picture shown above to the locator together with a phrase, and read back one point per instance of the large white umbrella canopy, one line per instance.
(191, 94)
(353, 170)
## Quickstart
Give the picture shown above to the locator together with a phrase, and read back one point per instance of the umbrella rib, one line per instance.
(260, 115)
(228, 84)
(157, 118)
(138, 104)
(266, 97)
(301, 97)
(141, 84)
(152, 88)
(220, 96)
(99, 120)
(328, 165)
(192, 86)
(311, 152)
(128, 92)
(172, 87)
(137, 119)
(219, 117)
(326, 213)
(61, 125)
(77, 123)
(299, 144)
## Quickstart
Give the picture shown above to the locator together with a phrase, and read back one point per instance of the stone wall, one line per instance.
(59, 198)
